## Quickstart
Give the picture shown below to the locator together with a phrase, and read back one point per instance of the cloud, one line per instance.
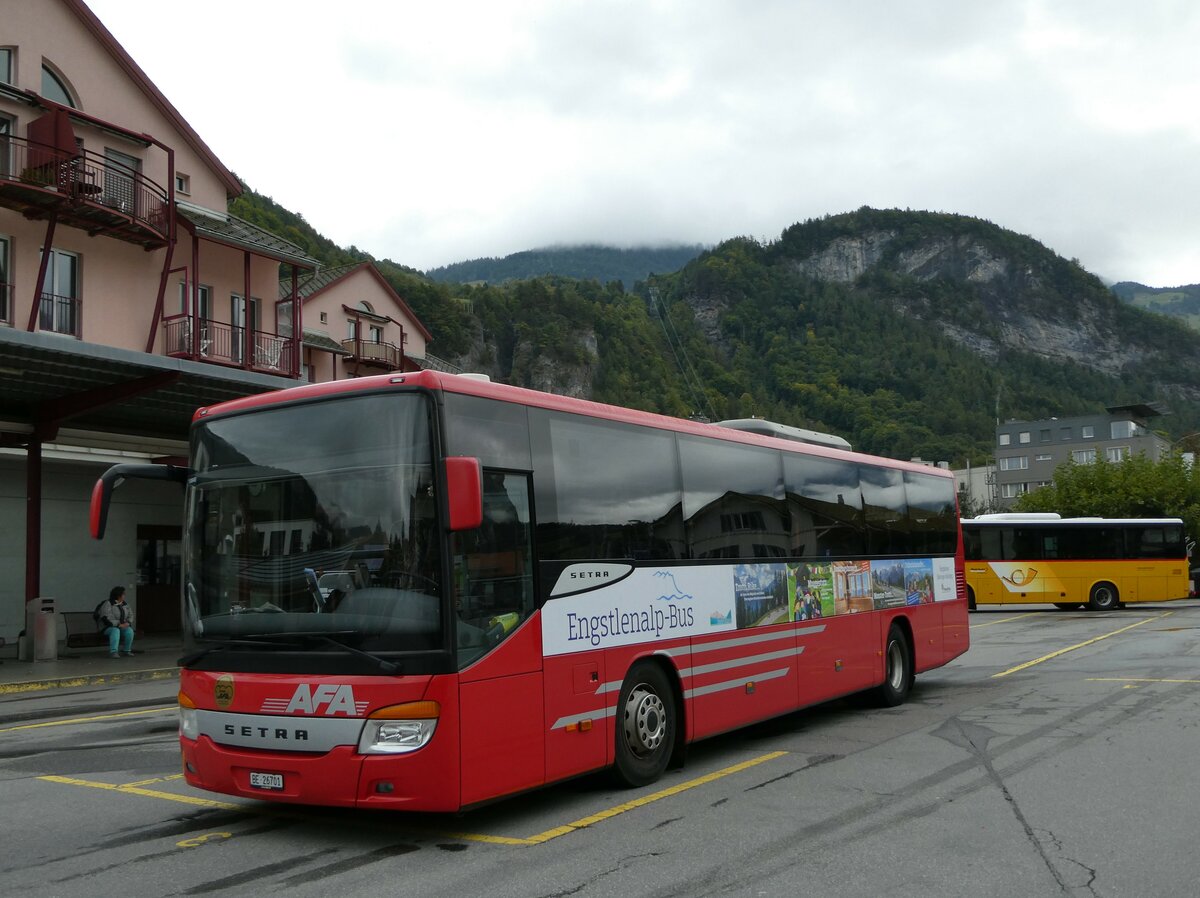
(430, 133)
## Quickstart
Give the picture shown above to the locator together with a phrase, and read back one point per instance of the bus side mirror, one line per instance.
(114, 476)
(464, 493)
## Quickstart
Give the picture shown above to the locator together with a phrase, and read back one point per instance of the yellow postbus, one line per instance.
(1099, 563)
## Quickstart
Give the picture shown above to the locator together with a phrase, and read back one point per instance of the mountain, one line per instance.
(1180, 302)
(586, 262)
(908, 333)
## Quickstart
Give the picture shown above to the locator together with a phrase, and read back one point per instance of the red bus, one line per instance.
(427, 591)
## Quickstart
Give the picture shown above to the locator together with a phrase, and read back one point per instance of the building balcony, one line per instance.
(224, 344)
(385, 356)
(84, 190)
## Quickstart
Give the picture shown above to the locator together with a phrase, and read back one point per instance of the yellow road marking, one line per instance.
(102, 680)
(157, 779)
(1079, 645)
(197, 841)
(74, 720)
(145, 793)
(621, 808)
(1004, 621)
(540, 838)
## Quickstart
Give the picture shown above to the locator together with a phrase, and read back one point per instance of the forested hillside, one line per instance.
(588, 262)
(1180, 302)
(909, 333)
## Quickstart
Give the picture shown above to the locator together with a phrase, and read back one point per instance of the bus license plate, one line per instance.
(266, 780)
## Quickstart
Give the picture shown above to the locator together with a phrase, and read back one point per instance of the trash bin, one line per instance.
(45, 631)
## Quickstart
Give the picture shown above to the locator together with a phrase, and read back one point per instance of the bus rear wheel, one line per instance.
(646, 722)
(1104, 597)
(897, 670)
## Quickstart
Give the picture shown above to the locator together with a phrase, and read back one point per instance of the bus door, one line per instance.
(500, 684)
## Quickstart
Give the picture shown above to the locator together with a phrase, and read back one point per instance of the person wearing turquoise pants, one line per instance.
(116, 618)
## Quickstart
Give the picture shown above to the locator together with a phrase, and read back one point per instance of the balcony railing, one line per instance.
(225, 344)
(61, 315)
(85, 189)
(385, 355)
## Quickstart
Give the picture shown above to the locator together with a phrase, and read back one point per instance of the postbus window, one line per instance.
(497, 433)
(733, 505)
(885, 510)
(932, 513)
(612, 491)
(825, 506)
(1146, 542)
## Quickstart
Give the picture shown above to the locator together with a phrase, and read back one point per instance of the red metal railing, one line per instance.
(224, 344)
(387, 355)
(86, 177)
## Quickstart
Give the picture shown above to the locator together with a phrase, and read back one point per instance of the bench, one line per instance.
(81, 630)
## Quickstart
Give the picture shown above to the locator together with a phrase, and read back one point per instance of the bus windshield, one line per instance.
(312, 531)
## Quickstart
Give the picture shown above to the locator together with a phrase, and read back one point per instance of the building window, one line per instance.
(1005, 439)
(1065, 433)
(1014, 463)
(183, 183)
(58, 309)
(1116, 453)
(1123, 430)
(6, 65)
(324, 317)
(376, 334)
(1023, 437)
(5, 284)
(55, 88)
(352, 328)
(1044, 435)
(1087, 432)
(1083, 456)
(6, 129)
(1046, 457)
(1012, 490)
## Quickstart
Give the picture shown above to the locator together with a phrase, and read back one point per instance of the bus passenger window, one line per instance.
(492, 569)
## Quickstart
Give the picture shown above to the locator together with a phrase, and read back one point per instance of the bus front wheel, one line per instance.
(897, 670)
(970, 599)
(646, 721)
(1104, 597)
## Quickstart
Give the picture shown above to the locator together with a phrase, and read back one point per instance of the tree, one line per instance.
(1135, 487)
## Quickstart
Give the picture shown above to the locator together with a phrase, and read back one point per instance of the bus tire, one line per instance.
(970, 599)
(897, 670)
(1104, 597)
(645, 724)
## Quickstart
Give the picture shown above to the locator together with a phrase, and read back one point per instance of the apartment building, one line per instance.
(1028, 452)
(129, 297)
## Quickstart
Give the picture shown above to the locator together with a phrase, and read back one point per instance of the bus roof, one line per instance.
(473, 386)
(1051, 519)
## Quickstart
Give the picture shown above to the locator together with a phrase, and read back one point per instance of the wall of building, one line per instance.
(77, 570)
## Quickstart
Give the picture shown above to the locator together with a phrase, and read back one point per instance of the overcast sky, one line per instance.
(429, 133)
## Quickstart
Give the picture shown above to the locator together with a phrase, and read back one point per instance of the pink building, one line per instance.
(129, 297)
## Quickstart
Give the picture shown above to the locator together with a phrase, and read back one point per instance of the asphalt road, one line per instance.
(1056, 758)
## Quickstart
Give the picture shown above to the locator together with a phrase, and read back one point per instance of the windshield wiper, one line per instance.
(385, 666)
(223, 645)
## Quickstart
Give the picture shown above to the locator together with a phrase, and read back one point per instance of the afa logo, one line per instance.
(327, 699)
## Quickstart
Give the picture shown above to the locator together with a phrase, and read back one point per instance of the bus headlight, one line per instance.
(399, 728)
(189, 726)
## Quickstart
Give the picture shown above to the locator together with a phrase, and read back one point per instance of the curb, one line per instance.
(129, 676)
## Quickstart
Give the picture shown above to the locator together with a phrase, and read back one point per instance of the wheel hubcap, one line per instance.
(645, 720)
(895, 666)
